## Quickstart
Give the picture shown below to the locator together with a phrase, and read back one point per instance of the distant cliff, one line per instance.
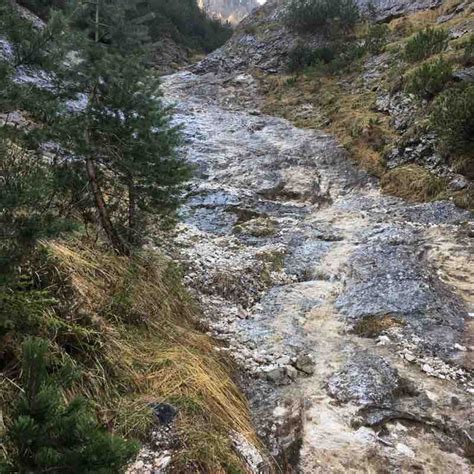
(229, 10)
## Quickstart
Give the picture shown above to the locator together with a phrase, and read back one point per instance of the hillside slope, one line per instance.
(330, 281)
(364, 99)
(103, 355)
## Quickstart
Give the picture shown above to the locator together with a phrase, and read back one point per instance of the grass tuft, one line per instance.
(414, 183)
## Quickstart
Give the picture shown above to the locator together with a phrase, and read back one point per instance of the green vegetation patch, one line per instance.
(376, 38)
(373, 326)
(453, 119)
(258, 227)
(302, 57)
(429, 79)
(122, 333)
(335, 58)
(48, 434)
(426, 43)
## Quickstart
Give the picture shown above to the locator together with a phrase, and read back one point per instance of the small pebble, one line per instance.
(426, 368)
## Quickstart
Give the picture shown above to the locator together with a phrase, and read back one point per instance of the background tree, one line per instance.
(43, 7)
(181, 20)
(323, 15)
(29, 195)
(39, 190)
(187, 24)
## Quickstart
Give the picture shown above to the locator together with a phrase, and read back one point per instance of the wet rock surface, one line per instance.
(390, 278)
(347, 310)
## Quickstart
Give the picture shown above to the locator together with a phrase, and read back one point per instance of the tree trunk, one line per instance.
(97, 22)
(100, 205)
(132, 210)
(104, 217)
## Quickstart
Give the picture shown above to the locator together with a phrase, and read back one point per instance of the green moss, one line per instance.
(259, 227)
(372, 326)
(275, 259)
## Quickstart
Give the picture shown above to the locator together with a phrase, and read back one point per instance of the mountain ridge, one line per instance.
(232, 11)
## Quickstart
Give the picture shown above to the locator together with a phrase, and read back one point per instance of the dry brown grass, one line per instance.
(414, 183)
(372, 326)
(135, 340)
(417, 21)
(345, 114)
(420, 20)
(464, 198)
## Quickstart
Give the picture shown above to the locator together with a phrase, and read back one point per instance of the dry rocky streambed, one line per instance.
(348, 311)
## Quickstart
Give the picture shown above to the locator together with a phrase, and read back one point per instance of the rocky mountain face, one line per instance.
(389, 9)
(348, 309)
(229, 10)
(262, 40)
(323, 290)
(263, 43)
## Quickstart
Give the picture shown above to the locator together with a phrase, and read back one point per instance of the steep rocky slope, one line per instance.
(349, 310)
(389, 9)
(262, 40)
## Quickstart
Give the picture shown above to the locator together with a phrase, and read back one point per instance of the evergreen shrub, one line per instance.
(426, 43)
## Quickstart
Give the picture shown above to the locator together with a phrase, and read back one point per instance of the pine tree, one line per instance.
(123, 138)
(25, 194)
(134, 136)
(49, 435)
(124, 134)
(187, 24)
(32, 191)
